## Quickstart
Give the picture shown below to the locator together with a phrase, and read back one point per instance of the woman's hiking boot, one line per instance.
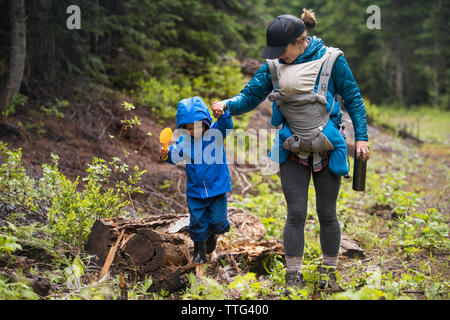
(211, 243)
(199, 255)
(294, 278)
(327, 277)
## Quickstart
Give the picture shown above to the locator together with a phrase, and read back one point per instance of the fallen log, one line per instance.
(146, 249)
(159, 247)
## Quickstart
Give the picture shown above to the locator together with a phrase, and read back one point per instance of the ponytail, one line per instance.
(309, 19)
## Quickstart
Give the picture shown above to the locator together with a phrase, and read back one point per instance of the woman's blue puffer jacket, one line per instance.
(341, 82)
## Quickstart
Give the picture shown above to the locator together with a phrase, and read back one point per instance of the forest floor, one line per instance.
(371, 221)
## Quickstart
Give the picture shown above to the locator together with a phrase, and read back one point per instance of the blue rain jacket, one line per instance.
(206, 165)
(341, 82)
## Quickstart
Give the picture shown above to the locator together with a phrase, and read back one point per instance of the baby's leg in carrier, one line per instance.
(338, 156)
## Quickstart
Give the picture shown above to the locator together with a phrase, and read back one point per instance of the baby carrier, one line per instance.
(305, 110)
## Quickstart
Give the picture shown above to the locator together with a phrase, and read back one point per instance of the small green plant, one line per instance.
(32, 125)
(73, 273)
(247, 286)
(16, 187)
(128, 123)
(8, 242)
(167, 183)
(54, 110)
(140, 289)
(203, 288)
(16, 290)
(19, 100)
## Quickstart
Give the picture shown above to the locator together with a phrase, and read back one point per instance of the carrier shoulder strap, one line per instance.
(325, 75)
(273, 73)
(327, 67)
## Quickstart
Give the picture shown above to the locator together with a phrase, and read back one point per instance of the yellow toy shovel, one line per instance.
(164, 137)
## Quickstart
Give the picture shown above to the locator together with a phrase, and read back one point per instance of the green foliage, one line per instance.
(120, 41)
(424, 122)
(162, 95)
(375, 115)
(54, 110)
(405, 61)
(72, 212)
(16, 290)
(423, 230)
(130, 123)
(32, 125)
(8, 242)
(364, 293)
(140, 290)
(203, 288)
(16, 187)
(73, 274)
(19, 100)
(247, 286)
(395, 191)
(386, 192)
(266, 203)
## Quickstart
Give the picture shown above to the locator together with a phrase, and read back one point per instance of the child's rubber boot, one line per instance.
(211, 243)
(199, 255)
(327, 277)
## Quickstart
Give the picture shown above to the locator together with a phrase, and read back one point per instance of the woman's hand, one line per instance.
(217, 108)
(364, 148)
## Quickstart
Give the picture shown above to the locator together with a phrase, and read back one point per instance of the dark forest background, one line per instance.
(123, 43)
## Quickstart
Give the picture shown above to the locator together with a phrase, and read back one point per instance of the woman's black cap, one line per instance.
(281, 31)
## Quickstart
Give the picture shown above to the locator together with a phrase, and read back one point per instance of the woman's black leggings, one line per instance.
(295, 179)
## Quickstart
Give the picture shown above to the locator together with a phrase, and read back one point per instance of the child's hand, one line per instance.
(217, 108)
(163, 153)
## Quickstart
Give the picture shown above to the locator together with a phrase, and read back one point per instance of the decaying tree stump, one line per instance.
(145, 249)
(149, 247)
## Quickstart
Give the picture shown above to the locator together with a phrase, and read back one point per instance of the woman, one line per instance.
(288, 41)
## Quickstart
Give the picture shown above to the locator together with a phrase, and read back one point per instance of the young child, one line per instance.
(208, 176)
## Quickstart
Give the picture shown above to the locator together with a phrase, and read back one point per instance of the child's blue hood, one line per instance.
(191, 110)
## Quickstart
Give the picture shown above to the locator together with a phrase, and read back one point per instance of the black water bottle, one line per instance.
(359, 173)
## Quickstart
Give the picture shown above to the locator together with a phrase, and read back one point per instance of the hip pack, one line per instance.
(305, 110)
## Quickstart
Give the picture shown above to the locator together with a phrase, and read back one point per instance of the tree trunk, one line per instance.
(399, 70)
(17, 53)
